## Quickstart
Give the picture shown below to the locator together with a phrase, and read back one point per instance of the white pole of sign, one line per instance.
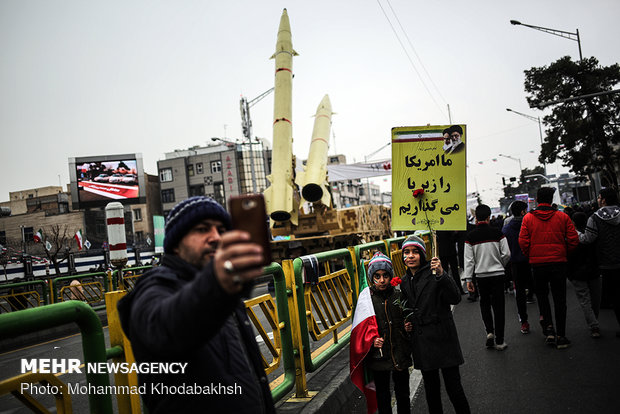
(115, 220)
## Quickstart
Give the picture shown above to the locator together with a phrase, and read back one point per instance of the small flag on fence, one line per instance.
(78, 239)
(48, 246)
(87, 244)
(38, 236)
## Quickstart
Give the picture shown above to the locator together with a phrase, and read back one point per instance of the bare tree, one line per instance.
(59, 237)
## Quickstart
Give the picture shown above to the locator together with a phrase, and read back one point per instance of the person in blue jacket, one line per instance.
(521, 269)
(190, 310)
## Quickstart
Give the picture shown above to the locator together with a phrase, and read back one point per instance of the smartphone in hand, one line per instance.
(249, 214)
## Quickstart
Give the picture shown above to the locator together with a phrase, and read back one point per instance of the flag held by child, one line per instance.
(363, 333)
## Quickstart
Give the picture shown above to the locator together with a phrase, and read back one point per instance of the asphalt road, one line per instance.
(530, 377)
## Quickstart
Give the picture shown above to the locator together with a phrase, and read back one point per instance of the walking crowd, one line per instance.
(532, 254)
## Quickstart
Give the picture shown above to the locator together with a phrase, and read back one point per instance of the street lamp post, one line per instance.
(520, 167)
(560, 33)
(535, 119)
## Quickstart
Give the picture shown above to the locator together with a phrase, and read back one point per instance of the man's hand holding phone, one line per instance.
(238, 261)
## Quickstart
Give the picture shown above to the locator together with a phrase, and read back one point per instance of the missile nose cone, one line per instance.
(284, 22)
(325, 104)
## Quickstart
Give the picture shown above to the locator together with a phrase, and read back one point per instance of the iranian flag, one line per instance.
(38, 236)
(78, 239)
(364, 332)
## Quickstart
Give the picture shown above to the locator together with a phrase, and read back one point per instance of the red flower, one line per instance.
(396, 281)
(418, 192)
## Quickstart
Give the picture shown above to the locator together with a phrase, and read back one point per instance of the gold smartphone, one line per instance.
(249, 214)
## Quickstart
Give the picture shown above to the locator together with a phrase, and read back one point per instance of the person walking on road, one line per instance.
(521, 269)
(546, 237)
(585, 277)
(486, 256)
(391, 353)
(603, 229)
(190, 310)
(428, 291)
(446, 247)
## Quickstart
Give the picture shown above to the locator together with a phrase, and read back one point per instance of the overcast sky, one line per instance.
(84, 78)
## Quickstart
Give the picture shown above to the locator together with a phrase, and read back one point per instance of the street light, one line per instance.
(520, 168)
(514, 159)
(535, 119)
(560, 33)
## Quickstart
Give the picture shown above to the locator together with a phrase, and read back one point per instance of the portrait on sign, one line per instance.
(428, 178)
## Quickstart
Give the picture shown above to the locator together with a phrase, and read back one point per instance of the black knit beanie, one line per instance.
(187, 214)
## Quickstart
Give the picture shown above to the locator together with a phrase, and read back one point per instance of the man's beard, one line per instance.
(447, 147)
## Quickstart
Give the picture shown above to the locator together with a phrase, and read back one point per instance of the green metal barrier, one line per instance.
(36, 282)
(313, 364)
(59, 280)
(93, 342)
(288, 358)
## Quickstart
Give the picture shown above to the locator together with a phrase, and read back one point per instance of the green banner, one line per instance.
(158, 226)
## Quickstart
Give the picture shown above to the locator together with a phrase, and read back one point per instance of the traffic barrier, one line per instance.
(23, 295)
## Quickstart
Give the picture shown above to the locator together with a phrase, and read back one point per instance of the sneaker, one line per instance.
(490, 341)
(502, 346)
(525, 328)
(531, 300)
(562, 342)
(595, 332)
(550, 336)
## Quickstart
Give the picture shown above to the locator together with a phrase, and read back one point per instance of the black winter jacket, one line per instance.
(604, 228)
(435, 342)
(395, 352)
(177, 313)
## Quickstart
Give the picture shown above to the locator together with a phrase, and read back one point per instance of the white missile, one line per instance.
(313, 181)
(279, 197)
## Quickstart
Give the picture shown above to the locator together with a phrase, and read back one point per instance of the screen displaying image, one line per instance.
(107, 180)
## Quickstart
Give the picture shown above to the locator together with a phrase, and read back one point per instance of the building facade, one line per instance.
(219, 170)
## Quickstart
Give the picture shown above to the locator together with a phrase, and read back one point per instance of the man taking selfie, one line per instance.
(190, 310)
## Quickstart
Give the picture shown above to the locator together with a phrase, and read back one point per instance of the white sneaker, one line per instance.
(490, 341)
(502, 346)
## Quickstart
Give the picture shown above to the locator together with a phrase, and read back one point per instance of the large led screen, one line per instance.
(107, 180)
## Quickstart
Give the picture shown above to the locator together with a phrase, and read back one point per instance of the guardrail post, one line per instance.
(127, 403)
(301, 385)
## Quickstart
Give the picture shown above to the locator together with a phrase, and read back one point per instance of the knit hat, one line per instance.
(187, 214)
(380, 262)
(415, 241)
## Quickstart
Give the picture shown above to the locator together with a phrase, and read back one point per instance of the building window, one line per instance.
(165, 175)
(167, 196)
(2, 237)
(139, 236)
(216, 166)
(190, 170)
(218, 193)
(137, 214)
(196, 190)
(28, 234)
(199, 169)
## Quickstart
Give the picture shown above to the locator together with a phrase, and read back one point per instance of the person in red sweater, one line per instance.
(546, 237)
